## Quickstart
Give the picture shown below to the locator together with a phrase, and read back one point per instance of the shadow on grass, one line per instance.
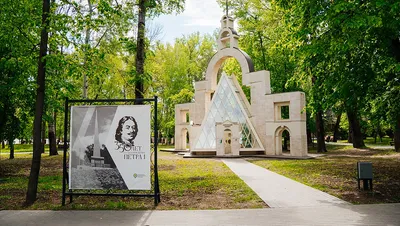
(348, 150)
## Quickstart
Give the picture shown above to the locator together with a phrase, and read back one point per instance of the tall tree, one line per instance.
(87, 43)
(154, 7)
(40, 91)
(139, 63)
(174, 69)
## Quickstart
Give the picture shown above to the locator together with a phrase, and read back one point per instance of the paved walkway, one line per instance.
(341, 215)
(277, 190)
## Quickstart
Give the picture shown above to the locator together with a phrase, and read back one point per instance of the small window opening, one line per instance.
(285, 112)
(187, 117)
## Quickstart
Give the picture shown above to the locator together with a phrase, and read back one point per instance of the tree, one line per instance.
(156, 7)
(140, 47)
(17, 45)
(174, 69)
(350, 44)
(40, 91)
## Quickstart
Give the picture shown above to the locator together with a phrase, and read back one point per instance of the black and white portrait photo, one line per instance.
(126, 131)
(108, 151)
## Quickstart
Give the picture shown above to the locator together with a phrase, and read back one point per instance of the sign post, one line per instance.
(110, 149)
(364, 173)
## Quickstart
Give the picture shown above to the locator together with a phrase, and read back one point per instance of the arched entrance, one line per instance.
(282, 140)
(185, 139)
(227, 141)
(285, 142)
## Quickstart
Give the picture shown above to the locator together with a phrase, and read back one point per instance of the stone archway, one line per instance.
(286, 141)
(184, 138)
(278, 139)
(246, 64)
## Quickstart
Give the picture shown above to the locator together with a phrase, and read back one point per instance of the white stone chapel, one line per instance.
(222, 122)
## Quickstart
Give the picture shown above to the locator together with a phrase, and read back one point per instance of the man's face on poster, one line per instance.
(129, 131)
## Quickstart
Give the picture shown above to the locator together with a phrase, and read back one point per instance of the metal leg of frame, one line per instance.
(65, 150)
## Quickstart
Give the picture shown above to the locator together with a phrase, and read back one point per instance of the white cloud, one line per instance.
(199, 16)
(202, 13)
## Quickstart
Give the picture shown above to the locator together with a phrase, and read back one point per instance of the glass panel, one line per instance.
(213, 109)
(217, 101)
(225, 107)
(206, 143)
(200, 142)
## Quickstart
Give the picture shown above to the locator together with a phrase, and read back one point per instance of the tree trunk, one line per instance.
(139, 87)
(395, 48)
(350, 136)
(397, 135)
(55, 128)
(43, 135)
(87, 40)
(336, 129)
(262, 50)
(358, 141)
(52, 138)
(35, 167)
(3, 145)
(320, 133)
(11, 145)
(309, 138)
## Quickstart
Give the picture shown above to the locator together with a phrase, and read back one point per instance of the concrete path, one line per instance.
(341, 215)
(277, 190)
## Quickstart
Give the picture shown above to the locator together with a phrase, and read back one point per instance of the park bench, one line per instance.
(391, 143)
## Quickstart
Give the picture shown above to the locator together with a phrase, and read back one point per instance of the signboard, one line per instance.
(110, 147)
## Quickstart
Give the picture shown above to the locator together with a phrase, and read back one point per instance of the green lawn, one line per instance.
(184, 184)
(22, 148)
(29, 148)
(209, 184)
(335, 173)
(370, 141)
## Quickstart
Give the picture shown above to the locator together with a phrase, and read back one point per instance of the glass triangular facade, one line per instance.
(226, 105)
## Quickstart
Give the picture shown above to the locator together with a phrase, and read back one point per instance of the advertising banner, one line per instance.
(110, 147)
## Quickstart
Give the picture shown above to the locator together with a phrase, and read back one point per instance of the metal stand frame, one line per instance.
(70, 193)
(367, 184)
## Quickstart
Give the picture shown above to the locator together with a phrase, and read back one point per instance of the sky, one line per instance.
(199, 15)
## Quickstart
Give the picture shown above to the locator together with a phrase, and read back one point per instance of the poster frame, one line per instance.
(68, 104)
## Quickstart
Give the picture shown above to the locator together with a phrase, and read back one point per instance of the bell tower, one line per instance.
(228, 37)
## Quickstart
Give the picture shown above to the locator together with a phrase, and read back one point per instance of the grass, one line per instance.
(335, 173)
(22, 148)
(370, 141)
(209, 184)
(184, 184)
